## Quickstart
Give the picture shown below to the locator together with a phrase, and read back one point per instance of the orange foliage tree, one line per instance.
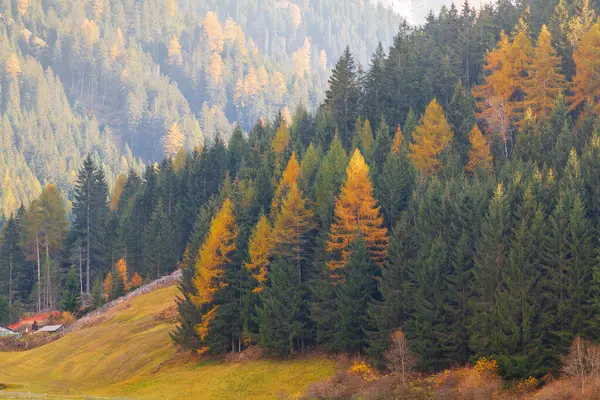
(291, 228)
(213, 257)
(546, 81)
(107, 286)
(586, 82)
(479, 154)
(260, 248)
(290, 177)
(431, 138)
(356, 210)
(136, 281)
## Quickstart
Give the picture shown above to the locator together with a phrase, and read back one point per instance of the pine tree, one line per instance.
(343, 96)
(490, 260)
(13, 267)
(431, 138)
(160, 249)
(90, 212)
(71, 296)
(358, 285)
(282, 315)
(356, 211)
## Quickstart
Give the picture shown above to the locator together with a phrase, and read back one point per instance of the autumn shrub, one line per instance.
(362, 369)
(482, 381)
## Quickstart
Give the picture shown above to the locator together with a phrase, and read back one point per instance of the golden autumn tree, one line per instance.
(430, 139)
(215, 68)
(546, 81)
(213, 258)
(586, 82)
(174, 50)
(122, 275)
(357, 211)
(280, 144)
(98, 7)
(292, 225)
(117, 192)
(290, 177)
(479, 153)
(260, 249)
(107, 286)
(13, 66)
(398, 140)
(213, 32)
(90, 30)
(173, 141)
(23, 6)
(581, 22)
(136, 281)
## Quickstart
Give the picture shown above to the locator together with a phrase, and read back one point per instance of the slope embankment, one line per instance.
(127, 352)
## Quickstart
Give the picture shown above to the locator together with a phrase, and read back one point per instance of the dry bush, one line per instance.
(398, 355)
(252, 353)
(168, 315)
(341, 386)
(66, 319)
(583, 363)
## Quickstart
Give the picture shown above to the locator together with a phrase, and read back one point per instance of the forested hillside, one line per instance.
(129, 81)
(449, 191)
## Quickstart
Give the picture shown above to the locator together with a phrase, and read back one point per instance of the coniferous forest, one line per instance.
(449, 188)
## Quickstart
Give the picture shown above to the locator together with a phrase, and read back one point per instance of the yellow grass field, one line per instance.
(129, 354)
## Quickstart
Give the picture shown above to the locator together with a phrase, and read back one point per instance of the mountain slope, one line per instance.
(129, 353)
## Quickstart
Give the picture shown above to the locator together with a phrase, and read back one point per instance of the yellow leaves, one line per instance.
(213, 32)
(546, 81)
(280, 144)
(586, 82)
(251, 86)
(580, 23)
(136, 281)
(479, 154)
(215, 68)
(323, 60)
(356, 210)
(278, 84)
(173, 141)
(98, 7)
(362, 369)
(260, 247)
(174, 50)
(398, 139)
(295, 15)
(90, 31)
(290, 177)
(431, 138)
(13, 66)
(121, 273)
(301, 59)
(107, 285)
(117, 192)
(203, 327)
(171, 8)
(215, 253)
(23, 6)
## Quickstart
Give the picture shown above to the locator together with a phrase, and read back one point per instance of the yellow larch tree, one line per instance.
(479, 153)
(586, 82)
(90, 30)
(295, 15)
(107, 286)
(173, 141)
(213, 32)
(260, 249)
(13, 67)
(213, 257)
(357, 212)
(323, 59)
(581, 22)
(121, 273)
(292, 225)
(215, 68)
(117, 192)
(98, 7)
(136, 281)
(174, 50)
(431, 137)
(23, 6)
(546, 81)
(280, 143)
(398, 140)
(290, 177)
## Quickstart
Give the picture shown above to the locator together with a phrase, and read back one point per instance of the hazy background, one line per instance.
(416, 10)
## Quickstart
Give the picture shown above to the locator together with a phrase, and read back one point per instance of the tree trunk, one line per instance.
(39, 272)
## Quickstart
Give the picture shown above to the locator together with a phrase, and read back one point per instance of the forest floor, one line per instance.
(128, 352)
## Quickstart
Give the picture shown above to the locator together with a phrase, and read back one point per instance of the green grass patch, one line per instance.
(130, 354)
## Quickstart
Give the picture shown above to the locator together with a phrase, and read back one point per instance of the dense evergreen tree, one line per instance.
(71, 296)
